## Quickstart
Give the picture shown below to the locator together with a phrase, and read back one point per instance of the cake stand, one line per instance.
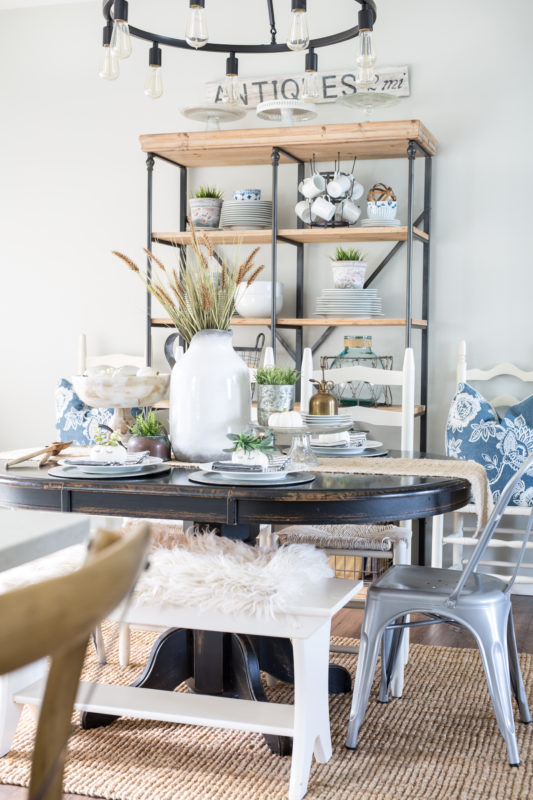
(286, 112)
(121, 392)
(213, 114)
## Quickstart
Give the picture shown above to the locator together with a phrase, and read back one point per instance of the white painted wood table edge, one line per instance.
(28, 535)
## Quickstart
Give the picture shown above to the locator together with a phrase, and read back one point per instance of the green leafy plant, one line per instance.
(263, 441)
(276, 376)
(348, 255)
(146, 425)
(103, 437)
(202, 297)
(208, 191)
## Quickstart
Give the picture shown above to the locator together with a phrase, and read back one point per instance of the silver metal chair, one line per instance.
(479, 602)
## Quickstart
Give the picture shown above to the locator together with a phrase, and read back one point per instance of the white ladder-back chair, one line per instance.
(112, 359)
(463, 536)
(348, 541)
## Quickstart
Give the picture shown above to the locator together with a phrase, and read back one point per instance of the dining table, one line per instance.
(229, 664)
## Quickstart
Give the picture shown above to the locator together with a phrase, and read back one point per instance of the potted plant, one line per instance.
(147, 433)
(349, 268)
(275, 391)
(210, 393)
(206, 205)
(251, 447)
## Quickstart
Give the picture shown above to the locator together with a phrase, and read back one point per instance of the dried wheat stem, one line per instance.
(254, 275)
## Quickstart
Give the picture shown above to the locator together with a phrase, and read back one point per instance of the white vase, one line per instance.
(209, 397)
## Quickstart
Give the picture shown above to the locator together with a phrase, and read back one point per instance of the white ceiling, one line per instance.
(5, 4)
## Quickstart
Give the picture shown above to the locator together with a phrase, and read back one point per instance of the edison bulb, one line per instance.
(120, 39)
(153, 85)
(311, 90)
(196, 31)
(108, 67)
(365, 77)
(231, 94)
(299, 31)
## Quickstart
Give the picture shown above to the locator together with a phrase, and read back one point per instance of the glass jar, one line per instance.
(358, 351)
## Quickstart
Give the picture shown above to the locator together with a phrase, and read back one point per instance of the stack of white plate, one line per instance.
(326, 419)
(349, 303)
(380, 223)
(246, 214)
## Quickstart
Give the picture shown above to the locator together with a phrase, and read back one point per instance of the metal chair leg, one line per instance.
(491, 636)
(517, 683)
(392, 651)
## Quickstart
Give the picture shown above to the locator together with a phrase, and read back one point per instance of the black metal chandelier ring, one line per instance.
(273, 47)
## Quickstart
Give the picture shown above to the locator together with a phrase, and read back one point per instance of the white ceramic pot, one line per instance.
(209, 397)
(205, 211)
(349, 274)
(381, 209)
(256, 300)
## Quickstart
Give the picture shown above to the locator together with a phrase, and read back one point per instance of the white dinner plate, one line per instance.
(76, 473)
(215, 478)
(120, 469)
(252, 477)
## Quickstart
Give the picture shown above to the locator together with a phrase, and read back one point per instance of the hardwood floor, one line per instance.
(348, 623)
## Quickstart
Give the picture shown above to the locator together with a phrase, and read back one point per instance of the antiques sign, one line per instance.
(332, 85)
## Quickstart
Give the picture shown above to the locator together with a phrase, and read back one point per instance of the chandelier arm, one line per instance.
(272, 20)
(324, 41)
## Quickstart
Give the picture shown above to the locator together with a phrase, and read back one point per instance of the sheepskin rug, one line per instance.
(205, 571)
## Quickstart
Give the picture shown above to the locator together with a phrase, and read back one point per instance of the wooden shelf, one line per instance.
(296, 235)
(254, 146)
(311, 322)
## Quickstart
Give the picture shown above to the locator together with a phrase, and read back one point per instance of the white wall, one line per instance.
(73, 182)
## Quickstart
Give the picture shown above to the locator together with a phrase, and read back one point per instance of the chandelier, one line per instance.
(118, 33)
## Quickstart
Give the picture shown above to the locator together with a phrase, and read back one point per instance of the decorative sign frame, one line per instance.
(333, 84)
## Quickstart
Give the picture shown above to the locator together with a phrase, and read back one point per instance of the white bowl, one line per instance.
(121, 391)
(256, 300)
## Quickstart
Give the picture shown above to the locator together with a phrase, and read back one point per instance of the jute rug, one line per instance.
(440, 742)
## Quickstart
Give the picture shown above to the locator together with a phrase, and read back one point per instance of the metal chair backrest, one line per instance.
(488, 531)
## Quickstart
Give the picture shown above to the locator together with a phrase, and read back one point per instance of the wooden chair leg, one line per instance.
(437, 526)
(55, 724)
(124, 644)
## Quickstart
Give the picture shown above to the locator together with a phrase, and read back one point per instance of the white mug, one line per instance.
(350, 212)
(323, 208)
(357, 190)
(313, 186)
(303, 212)
(340, 185)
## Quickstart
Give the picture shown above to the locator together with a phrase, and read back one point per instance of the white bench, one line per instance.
(307, 624)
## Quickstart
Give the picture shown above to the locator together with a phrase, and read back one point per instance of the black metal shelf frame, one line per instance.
(424, 219)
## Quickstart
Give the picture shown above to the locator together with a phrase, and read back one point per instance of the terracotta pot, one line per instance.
(159, 446)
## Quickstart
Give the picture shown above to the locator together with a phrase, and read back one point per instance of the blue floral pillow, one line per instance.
(76, 421)
(475, 431)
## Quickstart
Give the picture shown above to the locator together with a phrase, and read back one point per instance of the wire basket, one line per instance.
(252, 356)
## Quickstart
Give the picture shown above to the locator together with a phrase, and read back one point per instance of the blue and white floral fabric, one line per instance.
(76, 421)
(475, 431)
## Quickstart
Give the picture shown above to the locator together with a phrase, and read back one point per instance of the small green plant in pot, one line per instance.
(147, 433)
(349, 268)
(275, 391)
(206, 205)
(251, 447)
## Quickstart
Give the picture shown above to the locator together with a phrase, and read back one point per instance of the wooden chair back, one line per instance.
(56, 618)
(505, 369)
(112, 359)
(401, 417)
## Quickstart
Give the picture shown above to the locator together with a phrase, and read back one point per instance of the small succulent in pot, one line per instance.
(275, 391)
(206, 204)
(147, 433)
(251, 447)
